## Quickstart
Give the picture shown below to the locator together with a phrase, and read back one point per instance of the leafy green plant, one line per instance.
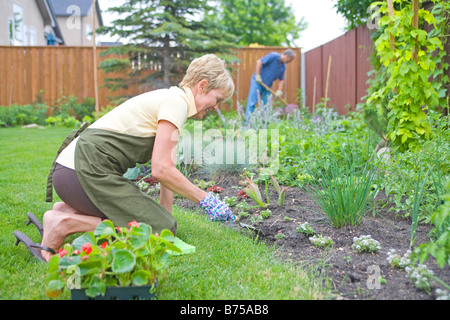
(15, 115)
(440, 247)
(306, 229)
(202, 184)
(110, 257)
(230, 201)
(321, 241)
(365, 244)
(266, 214)
(345, 190)
(253, 192)
(281, 191)
(256, 219)
(279, 236)
(242, 206)
(420, 276)
(400, 186)
(417, 201)
(243, 214)
(409, 65)
(398, 261)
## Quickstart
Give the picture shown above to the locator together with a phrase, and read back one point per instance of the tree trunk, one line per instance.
(166, 62)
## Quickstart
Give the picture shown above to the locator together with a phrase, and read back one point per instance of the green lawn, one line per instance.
(226, 265)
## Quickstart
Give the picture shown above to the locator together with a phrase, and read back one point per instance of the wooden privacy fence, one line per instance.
(338, 70)
(54, 72)
(247, 67)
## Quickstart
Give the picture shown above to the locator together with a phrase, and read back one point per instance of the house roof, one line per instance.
(60, 8)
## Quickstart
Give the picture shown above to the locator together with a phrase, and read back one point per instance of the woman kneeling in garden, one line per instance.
(88, 174)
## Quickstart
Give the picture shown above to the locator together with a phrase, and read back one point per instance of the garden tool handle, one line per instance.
(274, 94)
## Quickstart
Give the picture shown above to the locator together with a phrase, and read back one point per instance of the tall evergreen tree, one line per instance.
(162, 33)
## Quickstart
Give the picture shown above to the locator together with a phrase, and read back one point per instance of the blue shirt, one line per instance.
(272, 68)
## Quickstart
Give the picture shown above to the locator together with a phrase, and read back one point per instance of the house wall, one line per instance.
(33, 22)
(75, 28)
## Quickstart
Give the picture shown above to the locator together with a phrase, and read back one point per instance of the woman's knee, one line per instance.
(64, 207)
(59, 206)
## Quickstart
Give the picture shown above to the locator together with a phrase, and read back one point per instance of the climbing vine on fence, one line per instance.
(408, 55)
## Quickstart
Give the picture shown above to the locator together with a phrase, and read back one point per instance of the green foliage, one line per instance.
(321, 241)
(269, 23)
(305, 228)
(439, 248)
(252, 190)
(60, 122)
(230, 201)
(345, 189)
(416, 204)
(409, 65)
(366, 244)
(16, 115)
(280, 191)
(265, 214)
(70, 106)
(356, 12)
(401, 185)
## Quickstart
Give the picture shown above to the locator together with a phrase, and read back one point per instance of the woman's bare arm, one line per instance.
(164, 166)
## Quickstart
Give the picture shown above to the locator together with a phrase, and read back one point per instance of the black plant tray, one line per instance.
(117, 293)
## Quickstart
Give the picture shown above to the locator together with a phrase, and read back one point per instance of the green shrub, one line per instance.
(16, 115)
(345, 189)
(70, 107)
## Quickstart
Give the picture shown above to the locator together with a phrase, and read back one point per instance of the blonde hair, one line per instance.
(209, 67)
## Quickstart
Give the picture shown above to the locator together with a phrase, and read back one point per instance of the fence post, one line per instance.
(328, 81)
(391, 14)
(415, 8)
(94, 47)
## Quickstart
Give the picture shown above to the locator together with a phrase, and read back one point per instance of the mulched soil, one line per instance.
(350, 273)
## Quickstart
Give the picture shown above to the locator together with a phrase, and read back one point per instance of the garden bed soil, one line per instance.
(352, 275)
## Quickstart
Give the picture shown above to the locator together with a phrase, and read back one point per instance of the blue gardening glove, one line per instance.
(216, 209)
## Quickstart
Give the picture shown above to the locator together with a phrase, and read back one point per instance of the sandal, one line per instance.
(32, 219)
(34, 248)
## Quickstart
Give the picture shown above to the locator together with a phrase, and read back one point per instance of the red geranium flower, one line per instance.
(62, 252)
(242, 194)
(86, 248)
(215, 189)
(133, 223)
(150, 180)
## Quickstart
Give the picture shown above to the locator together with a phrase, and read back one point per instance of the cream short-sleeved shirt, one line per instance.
(139, 116)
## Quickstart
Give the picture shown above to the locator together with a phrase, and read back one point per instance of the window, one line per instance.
(33, 36)
(18, 25)
(88, 31)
